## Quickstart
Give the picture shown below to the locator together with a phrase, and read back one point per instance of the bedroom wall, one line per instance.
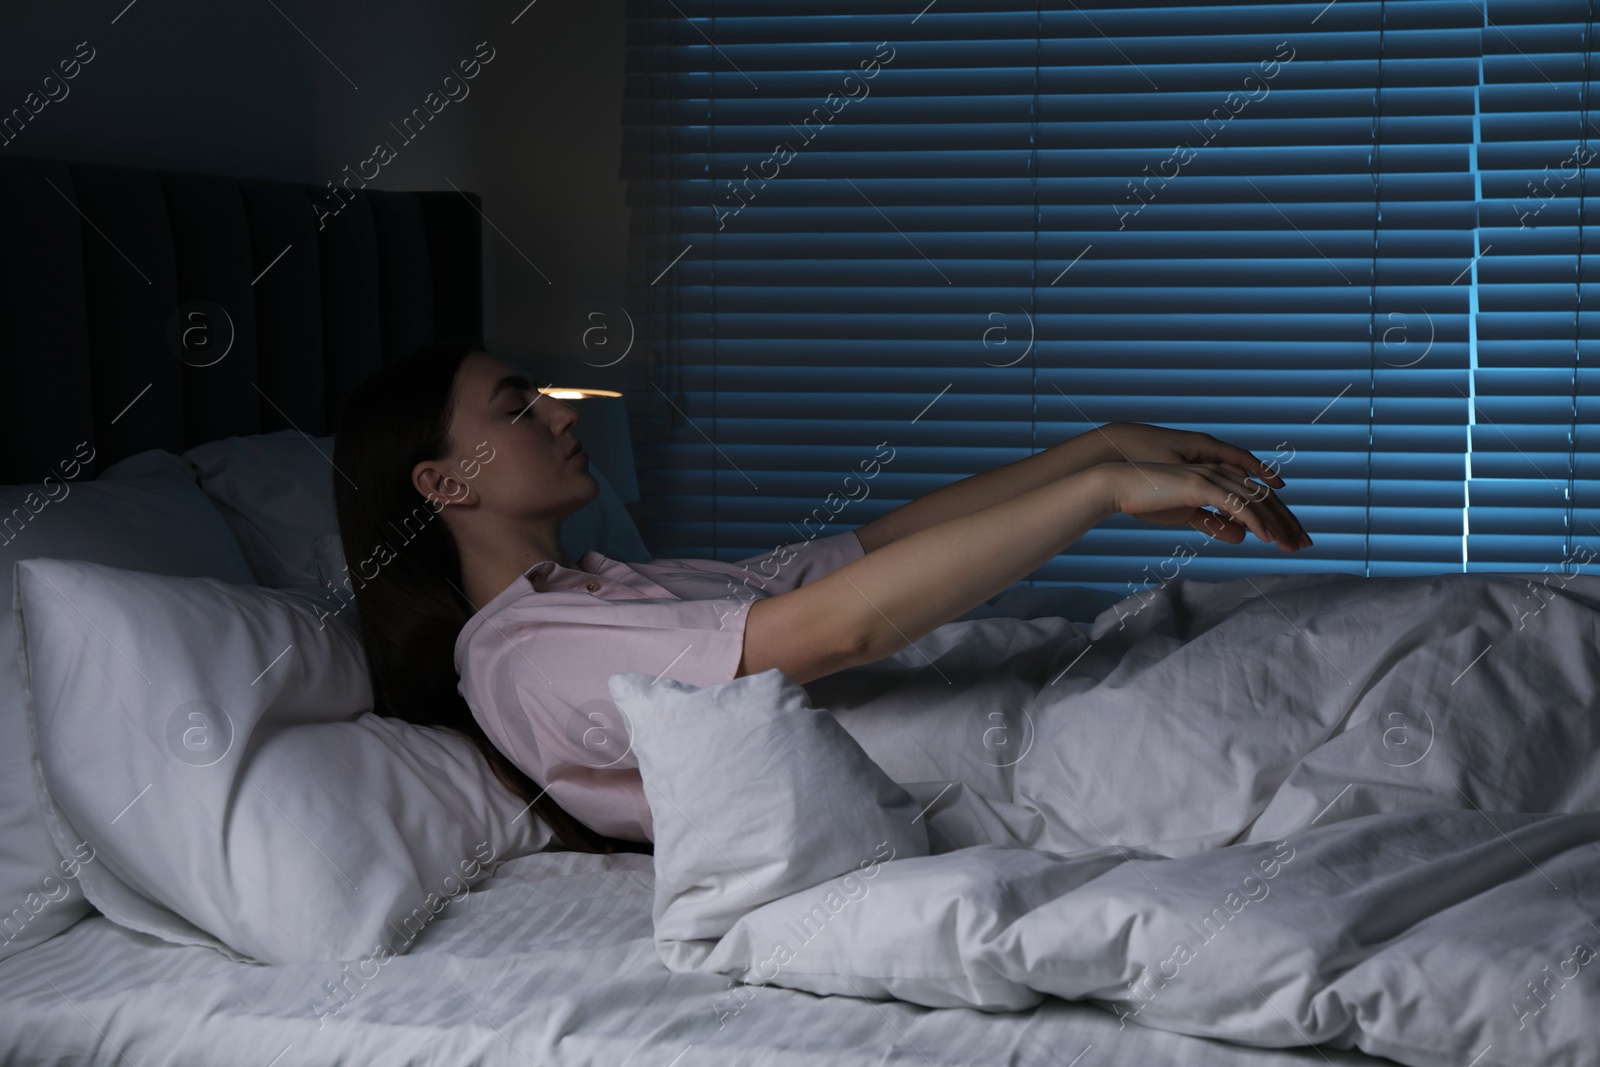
(299, 91)
(551, 142)
(175, 83)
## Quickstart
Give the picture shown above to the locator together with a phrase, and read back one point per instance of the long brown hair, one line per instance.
(411, 612)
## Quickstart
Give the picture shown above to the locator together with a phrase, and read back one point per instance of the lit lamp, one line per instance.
(603, 429)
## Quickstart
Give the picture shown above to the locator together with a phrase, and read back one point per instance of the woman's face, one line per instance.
(512, 447)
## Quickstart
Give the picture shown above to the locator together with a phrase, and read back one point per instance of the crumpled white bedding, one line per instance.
(1279, 810)
(550, 961)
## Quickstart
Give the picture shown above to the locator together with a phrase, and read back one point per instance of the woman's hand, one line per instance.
(1138, 442)
(1172, 493)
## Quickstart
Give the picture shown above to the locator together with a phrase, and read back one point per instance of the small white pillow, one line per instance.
(212, 744)
(143, 513)
(754, 795)
(276, 492)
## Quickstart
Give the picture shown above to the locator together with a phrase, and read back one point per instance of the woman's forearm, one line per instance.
(892, 596)
(986, 488)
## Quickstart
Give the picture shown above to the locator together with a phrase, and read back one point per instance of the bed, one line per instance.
(552, 957)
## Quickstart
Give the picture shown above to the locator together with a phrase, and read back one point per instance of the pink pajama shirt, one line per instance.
(535, 661)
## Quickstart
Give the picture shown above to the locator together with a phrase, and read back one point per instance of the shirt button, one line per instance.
(591, 585)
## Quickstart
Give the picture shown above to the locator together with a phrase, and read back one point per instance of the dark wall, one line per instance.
(552, 146)
(179, 83)
(299, 90)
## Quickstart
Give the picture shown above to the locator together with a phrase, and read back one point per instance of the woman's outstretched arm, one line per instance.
(882, 602)
(1130, 442)
(980, 490)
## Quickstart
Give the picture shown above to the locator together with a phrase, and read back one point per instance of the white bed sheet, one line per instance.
(551, 962)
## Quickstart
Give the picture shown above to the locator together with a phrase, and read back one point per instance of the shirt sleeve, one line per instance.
(539, 673)
(788, 567)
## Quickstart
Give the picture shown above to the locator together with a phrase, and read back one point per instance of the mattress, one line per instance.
(550, 961)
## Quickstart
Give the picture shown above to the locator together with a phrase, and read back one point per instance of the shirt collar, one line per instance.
(521, 586)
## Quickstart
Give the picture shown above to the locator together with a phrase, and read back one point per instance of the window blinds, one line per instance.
(922, 240)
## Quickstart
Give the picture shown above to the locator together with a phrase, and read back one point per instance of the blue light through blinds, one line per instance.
(945, 236)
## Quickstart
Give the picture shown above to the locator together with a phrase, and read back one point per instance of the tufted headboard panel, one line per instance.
(163, 309)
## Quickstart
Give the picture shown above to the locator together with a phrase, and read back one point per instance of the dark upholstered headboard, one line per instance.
(121, 289)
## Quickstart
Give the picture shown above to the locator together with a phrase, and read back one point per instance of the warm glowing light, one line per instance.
(565, 393)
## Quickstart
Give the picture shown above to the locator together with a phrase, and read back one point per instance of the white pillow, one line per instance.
(143, 513)
(211, 744)
(816, 807)
(276, 492)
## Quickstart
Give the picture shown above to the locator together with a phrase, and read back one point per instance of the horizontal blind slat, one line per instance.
(1026, 222)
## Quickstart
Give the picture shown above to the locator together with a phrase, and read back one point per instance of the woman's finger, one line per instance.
(1233, 499)
(1237, 471)
(1240, 457)
(1275, 516)
(1218, 527)
(1291, 532)
(1292, 522)
(1285, 520)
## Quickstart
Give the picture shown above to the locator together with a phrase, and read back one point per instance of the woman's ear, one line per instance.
(438, 485)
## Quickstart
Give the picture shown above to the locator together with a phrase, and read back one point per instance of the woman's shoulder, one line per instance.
(488, 633)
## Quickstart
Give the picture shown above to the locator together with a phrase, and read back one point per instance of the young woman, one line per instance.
(479, 622)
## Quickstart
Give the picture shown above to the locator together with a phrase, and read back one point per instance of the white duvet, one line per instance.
(1281, 811)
